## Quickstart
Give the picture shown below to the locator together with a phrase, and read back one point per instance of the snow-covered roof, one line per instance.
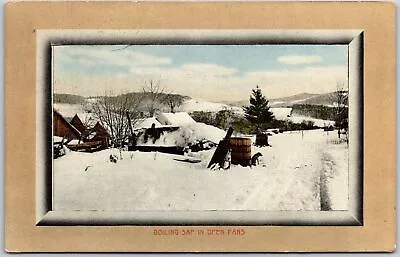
(57, 139)
(178, 118)
(146, 123)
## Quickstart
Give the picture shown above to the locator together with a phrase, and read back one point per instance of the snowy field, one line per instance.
(192, 105)
(317, 122)
(300, 171)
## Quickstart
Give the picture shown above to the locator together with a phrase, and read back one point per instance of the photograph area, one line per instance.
(200, 127)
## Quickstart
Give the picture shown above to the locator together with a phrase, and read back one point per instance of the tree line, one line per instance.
(68, 99)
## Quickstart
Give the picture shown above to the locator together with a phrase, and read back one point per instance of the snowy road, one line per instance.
(295, 170)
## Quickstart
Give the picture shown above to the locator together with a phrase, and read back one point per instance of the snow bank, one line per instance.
(335, 163)
(288, 179)
(178, 118)
(317, 122)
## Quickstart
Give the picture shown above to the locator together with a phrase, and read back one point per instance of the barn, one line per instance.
(83, 139)
(100, 135)
(78, 124)
(62, 128)
(96, 134)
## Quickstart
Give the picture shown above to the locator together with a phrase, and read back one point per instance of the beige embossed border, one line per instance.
(377, 20)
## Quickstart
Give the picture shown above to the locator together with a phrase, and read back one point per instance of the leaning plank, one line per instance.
(222, 149)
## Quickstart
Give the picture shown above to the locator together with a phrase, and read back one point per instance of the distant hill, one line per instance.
(145, 95)
(292, 99)
(322, 99)
(68, 99)
(190, 105)
(77, 99)
(288, 101)
(237, 103)
(304, 98)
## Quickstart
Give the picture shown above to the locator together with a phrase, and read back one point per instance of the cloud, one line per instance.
(95, 70)
(211, 81)
(299, 59)
(95, 56)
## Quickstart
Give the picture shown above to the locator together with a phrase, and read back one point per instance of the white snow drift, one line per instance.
(296, 173)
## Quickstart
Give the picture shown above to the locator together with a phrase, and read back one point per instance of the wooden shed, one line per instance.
(101, 134)
(78, 124)
(62, 128)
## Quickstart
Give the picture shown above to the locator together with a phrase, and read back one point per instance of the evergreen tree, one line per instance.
(258, 112)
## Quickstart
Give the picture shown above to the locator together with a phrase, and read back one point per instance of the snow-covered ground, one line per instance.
(301, 171)
(317, 122)
(281, 113)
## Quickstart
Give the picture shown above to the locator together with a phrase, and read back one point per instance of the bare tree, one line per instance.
(174, 101)
(88, 121)
(155, 95)
(340, 101)
(111, 111)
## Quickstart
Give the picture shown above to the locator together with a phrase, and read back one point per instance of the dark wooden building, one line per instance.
(62, 128)
(78, 124)
(101, 134)
(92, 139)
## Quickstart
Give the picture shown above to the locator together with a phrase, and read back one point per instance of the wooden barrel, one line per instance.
(241, 150)
(261, 140)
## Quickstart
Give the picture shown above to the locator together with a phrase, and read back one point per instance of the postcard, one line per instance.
(197, 136)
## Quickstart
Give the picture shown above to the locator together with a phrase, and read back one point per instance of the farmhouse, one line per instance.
(62, 128)
(78, 124)
(83, 139)
(97, 135)
(101, 135)
(149, 131)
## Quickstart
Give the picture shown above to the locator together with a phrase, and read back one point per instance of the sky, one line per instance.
(207, 72)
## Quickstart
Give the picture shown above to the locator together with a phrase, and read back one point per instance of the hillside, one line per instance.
(286, 101)
(68, 99)
(289, 101)
(190, 105)
(323, 99)
(304, 98)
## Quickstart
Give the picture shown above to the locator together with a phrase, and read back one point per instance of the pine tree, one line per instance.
(258, 112)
